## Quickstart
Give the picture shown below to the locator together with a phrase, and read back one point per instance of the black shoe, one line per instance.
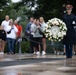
(68, 57)
(64, 53)
(74, 53)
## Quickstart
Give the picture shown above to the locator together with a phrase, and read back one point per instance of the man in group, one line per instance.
(28, 32)
(19, 34)
(4, 24)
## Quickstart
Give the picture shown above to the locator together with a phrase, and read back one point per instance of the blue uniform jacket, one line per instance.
(70, 21)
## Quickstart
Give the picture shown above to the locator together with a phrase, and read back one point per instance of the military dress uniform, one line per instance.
(69, 39)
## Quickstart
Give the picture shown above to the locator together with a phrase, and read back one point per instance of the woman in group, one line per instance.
(2, 40)
(36, 28)
(33, 41)
(43, 24)
(11, 31)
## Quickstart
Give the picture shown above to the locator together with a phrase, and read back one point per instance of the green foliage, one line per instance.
(48, 8)
(52, 8)
(25, 47)
(3, 9)
(19, 13)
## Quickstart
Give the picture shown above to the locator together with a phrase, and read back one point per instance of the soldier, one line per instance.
(69, 39)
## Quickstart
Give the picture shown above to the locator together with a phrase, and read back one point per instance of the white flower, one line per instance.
(50, 21)
(55, 23)
(50, 33)
(46, 35)
(47, 23)
(47, 30)
(54, 36)
(63, 33)
(65, 28)
(59, 39)
(59, 34)
(55, 29)
(49, 38)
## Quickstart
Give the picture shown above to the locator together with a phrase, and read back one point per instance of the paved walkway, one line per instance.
(28, 64)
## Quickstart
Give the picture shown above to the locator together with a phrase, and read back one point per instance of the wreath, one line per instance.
(55, 29)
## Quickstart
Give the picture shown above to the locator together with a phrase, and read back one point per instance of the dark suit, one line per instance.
(69, 39)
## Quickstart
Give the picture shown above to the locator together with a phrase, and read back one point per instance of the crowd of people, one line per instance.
(35, 30)
(11, 32)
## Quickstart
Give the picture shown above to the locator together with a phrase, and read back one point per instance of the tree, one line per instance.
(19, 14)
(48, 8)
(3, 8)
(52, 8)
(45, 8)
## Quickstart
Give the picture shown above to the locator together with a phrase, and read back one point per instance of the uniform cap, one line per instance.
(69, 7)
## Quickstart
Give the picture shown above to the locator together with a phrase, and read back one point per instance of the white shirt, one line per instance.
(5, 24)
(43, 25)
(13, 32)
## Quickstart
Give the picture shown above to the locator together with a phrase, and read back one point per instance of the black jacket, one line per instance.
(70, 21)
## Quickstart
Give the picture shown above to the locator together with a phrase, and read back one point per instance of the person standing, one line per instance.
(69, 39)
(43, 24)
(4, 24)
(28, 33)
(2, 40)
(11, 32)
(35, 28)
(18, 35)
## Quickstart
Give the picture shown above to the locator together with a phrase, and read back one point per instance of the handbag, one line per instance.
(41, 32)
(9, 31)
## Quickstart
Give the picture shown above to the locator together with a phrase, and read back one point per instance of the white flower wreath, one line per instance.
(55, 29)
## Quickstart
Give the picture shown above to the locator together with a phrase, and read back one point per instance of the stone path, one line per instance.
(28, 64)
